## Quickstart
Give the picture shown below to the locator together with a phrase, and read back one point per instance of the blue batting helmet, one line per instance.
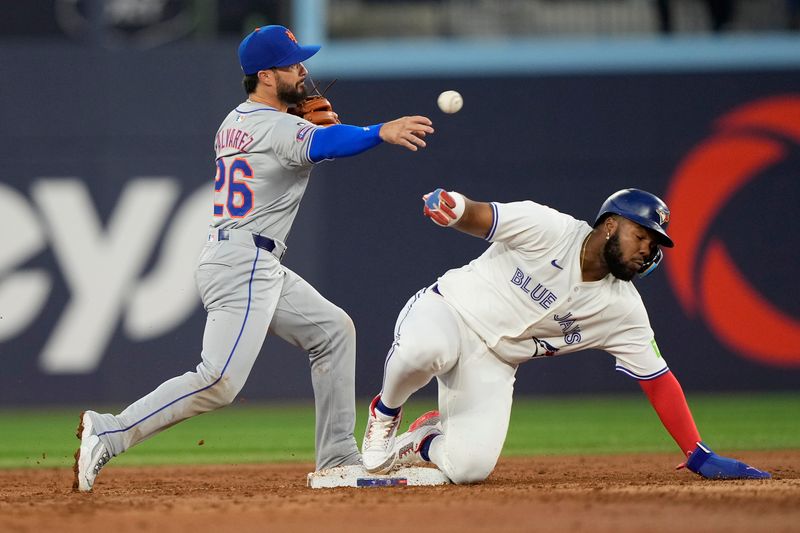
(641, 207)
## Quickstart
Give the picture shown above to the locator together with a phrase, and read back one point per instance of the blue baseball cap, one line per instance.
(272, 46)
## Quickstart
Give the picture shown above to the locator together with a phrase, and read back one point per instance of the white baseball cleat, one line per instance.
(90, 457)
(409, 444)
(377, 450)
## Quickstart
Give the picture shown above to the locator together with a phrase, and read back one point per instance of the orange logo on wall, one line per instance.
(707, 281)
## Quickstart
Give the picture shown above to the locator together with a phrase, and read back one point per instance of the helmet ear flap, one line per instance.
(651, 264)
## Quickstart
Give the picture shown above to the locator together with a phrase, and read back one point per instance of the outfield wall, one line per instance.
(106, 190)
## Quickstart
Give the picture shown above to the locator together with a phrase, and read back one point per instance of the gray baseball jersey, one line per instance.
(263, 166)
(262, 170)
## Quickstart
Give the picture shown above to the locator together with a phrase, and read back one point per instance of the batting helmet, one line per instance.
(639, 206)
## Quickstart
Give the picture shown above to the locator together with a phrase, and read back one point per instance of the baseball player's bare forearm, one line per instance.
(477, 219)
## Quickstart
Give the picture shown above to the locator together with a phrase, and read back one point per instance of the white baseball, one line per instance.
(450, 101)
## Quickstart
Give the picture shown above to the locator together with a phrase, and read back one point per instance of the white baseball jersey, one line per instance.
(263, 167)
(525, 296)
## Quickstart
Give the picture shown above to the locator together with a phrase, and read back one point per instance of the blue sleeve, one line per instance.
(341, 140)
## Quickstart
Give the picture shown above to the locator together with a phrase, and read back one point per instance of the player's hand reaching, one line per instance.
(407, 131)
(444, 208)
(708, 464)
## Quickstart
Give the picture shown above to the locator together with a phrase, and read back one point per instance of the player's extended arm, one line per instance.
(455, 209)
(667, 398)
(343, 140)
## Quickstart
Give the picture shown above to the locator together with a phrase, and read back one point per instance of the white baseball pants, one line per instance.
(475, 386)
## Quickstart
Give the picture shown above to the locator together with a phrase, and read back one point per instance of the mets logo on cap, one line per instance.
(272, 46)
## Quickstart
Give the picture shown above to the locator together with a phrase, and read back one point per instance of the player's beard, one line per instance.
(612, 253)
(290, 94)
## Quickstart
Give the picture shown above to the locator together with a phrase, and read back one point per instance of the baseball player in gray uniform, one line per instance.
(548, 285)
(264, 157)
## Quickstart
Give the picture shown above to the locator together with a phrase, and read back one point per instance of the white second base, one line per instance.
(356, 476)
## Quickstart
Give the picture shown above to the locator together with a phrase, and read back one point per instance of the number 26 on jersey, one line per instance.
(231, 190)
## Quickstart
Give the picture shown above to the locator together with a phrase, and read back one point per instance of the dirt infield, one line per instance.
(599, 493)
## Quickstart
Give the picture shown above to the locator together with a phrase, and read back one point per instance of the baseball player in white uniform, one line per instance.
(264, 157)
(548, 285)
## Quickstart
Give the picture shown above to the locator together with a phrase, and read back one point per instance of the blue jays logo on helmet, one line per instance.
(663, 215)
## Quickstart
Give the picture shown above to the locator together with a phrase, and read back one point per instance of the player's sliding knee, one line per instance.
(465, 474)
(469, 468)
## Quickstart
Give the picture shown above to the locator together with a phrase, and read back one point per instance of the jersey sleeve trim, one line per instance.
(648, 377)
(307, 152)
(493, 229)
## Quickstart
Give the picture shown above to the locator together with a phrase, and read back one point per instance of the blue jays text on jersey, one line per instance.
(541, 294)
(570, 328)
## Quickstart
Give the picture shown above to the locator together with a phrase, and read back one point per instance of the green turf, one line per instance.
(280, 433)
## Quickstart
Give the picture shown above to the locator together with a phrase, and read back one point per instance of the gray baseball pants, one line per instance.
(246, 291)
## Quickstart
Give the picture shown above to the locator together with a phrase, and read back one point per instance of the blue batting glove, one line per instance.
(708, 464)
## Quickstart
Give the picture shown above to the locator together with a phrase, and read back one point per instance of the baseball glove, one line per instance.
(317, 110)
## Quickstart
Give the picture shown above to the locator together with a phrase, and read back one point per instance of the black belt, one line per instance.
(260, 241)
(265, 243)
